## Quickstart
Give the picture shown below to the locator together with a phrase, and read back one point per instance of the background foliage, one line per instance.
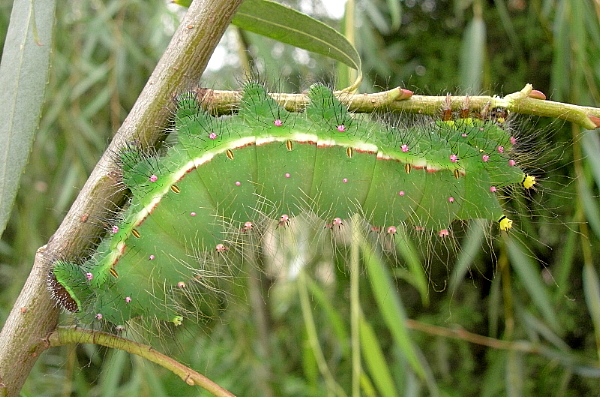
(537, 288)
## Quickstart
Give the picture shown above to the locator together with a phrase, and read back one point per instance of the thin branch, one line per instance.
(526, 101)
(67, 335)
(34, 314)
(579, 365)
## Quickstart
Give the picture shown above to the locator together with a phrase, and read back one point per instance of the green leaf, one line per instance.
(469, 252)
(392, 310)
(395, 13)
(289, 26)
(473, 55)
(531, 279)
(409, 253)
(333, 317)
(590, 143)
(590, 204)
(375, 360)
(292, 27)
(591, 289)
(514, 374)
(23, 77)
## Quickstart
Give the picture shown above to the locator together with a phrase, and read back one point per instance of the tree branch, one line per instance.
(526, 101)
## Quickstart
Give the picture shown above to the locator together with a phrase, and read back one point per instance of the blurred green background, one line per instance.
(539, 286)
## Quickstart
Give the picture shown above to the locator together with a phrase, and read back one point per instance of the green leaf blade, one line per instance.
(392, 311)
(289, 26)
(525, 269)
(23, 75)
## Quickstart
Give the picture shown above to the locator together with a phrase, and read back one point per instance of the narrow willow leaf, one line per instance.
(395, 13)
(292, 27)
(333, 317)
(23, 75)
(514, 374)
(289, 26)
(534, 324)
(508, 25)
(561, 58)
(408, 252)
(345, 74)
(468, 252)
(591, 288)
(532, 281)
(590, 204)
(391, 308)
(473, 55)
(591, 147)
(375, 360)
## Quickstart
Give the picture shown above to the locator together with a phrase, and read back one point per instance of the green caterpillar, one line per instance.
(223, 169)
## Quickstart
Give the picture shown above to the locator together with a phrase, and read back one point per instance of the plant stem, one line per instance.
(355, 310)
(526, 101)
(64, 336)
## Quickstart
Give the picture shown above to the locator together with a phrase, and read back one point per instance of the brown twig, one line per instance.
(67, 335)
(566, 357)
(526, 101)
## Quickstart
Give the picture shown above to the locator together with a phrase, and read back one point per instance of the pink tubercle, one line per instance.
(153, 178)
(278, 123)
(238, 183)
(221, 248)
(401, 193)
(392, 230)
(345, 180)
(453, 158)
(128, 299)
(463, 135)
(500, 149)
(89, 276)
(444, 233)
(98, 316)
(248, 226)
(287, 175)
(485, 158)
(337, 222)
(450, 199)
(493, 189)
(341, 128)
(115, 229)
(512, 163)
(404, 148)
(181, 284)
(192, 213)
(513, 140)
(284, 220)
(151, 257)
(212, 135)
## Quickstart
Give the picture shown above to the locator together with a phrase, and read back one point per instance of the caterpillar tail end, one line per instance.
(505, 223)
(61, 291)
(528, 181)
